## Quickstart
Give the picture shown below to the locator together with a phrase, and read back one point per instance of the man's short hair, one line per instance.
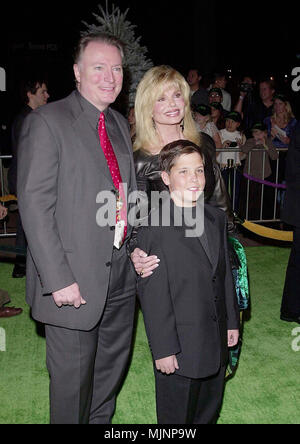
(199, 73)
(97, 37)
(269, 82)
(30, 85)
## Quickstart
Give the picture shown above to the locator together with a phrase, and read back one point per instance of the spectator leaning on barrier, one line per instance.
(280, 128)
(257, 166)
(230, 160)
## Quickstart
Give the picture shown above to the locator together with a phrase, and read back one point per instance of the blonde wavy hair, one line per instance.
(288, 115)
(151, 87)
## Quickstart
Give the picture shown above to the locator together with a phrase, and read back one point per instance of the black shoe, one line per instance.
(289, 318)
(19, 271)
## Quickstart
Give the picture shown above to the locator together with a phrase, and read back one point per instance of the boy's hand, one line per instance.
(167, 365)
(144, 264)
(233, 337)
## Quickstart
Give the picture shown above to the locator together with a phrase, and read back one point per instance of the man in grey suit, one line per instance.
(80, 282)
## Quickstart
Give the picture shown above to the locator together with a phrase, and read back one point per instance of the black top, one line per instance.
(147, 172)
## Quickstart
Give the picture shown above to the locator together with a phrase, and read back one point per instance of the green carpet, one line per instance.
(265, 388)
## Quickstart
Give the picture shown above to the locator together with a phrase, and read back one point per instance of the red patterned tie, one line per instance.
(113, 166)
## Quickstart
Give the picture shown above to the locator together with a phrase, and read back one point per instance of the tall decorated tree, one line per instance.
(136, 63)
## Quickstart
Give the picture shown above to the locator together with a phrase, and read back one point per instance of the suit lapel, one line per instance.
(204, 242)
(213, 239)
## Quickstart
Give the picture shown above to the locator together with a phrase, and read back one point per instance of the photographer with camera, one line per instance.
(245, 103)
(255, 109)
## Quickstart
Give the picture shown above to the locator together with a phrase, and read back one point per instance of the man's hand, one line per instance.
(233, 337)
(167, 365)
(144, 264)
(69, 296)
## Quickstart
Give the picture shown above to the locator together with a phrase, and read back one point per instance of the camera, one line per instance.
(246, 87)
(233, 145)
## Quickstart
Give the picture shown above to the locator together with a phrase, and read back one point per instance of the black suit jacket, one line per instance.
(189, 302)
(291, 209)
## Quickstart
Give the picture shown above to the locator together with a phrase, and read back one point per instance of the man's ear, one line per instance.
(165, 178)
(76, 72)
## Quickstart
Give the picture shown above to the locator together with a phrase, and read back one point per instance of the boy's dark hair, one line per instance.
(173, 150)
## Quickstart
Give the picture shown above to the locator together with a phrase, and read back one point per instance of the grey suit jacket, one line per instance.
(62, 169)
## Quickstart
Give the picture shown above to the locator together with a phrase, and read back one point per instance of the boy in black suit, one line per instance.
(189, 304)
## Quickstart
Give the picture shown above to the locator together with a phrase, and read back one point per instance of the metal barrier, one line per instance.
(4, 232)
(3, 229)
(232, 187)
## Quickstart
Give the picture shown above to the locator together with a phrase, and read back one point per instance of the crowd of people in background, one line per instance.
(260, 120)
(251, 134)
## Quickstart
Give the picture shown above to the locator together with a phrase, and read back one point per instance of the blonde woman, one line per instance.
(162, 110)
(280, 127)
(162, 115)
(282, 123)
